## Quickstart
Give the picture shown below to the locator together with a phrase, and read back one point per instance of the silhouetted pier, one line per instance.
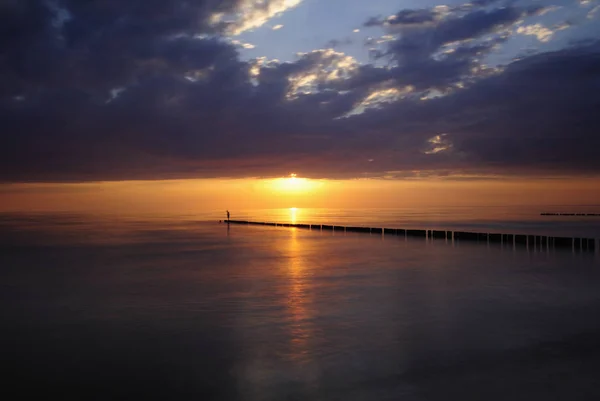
(570, 214)
(540, 242)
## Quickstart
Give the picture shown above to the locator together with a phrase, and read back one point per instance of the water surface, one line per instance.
(178, 307)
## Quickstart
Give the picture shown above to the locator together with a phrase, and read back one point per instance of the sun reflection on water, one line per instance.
(298, 300)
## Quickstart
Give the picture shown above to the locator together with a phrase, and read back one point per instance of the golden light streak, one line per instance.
(300, 326)
(293, 214)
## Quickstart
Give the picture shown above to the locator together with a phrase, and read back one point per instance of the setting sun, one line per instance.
(294, 184)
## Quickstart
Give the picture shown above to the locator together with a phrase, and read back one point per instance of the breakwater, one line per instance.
(571, 214)
(533, 241)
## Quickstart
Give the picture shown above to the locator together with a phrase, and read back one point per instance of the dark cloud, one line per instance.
(417, 52)
(128, 90)
(95, 44)
(373, 21)
(336, 43)
(480, 22)
(417, 64)
(535, 117)
(413, 17)
(408, 18)
(405, 18)
(475, 24)
(455, 28)
(539, 113)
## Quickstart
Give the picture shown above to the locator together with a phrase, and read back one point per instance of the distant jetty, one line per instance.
(570, 214)
(540, 242)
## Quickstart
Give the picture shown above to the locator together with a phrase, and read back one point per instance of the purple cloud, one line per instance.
(150, 90)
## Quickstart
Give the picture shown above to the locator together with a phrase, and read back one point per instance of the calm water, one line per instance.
(181, 308)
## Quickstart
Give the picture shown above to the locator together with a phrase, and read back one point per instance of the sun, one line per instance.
(293, 184)
(294, 181)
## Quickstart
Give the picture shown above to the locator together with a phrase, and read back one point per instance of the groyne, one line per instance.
(571, 214)
(531, 241)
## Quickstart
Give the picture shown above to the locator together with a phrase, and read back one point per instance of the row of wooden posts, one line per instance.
(539, 241)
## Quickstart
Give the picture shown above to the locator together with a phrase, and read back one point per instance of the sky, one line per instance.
(209, 90)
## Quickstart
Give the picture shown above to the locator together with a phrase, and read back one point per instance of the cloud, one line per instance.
(413, 17)
(318, 70)
(250, 14)
(542, 33)
(443, 24)
(439, 49)
(379, 96)
(335, 43)
(535, 129)
(243, 45)
(104, 44)
(151, 90)
(410, 18)
(477, 23)
(593, 12)
(437, 144)
(373, 21)
(549, 9)
(277, 27)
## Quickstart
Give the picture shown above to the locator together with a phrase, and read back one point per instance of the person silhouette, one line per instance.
(228, 215)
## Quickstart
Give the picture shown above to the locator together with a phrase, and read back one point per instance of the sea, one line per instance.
(174, 306)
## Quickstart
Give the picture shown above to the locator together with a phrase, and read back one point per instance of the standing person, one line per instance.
(228, 215)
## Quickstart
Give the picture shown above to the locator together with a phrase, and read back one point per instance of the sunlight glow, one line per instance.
(294, 184)
(198, 197)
